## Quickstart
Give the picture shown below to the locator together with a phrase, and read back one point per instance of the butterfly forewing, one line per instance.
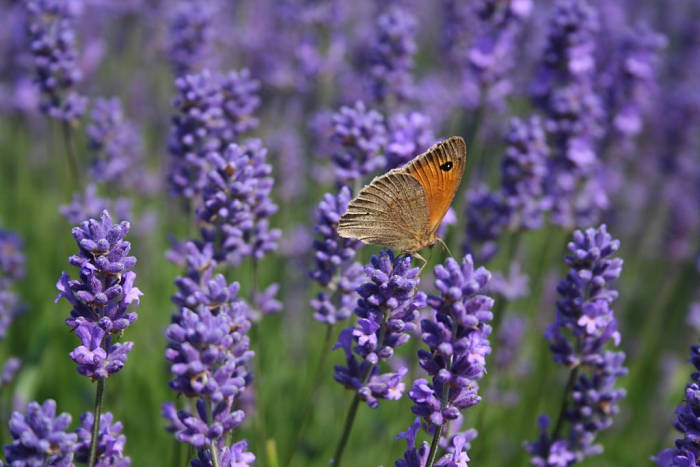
(439, 171)
(391, 211)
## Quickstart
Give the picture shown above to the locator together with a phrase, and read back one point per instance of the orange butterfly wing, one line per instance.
(439, 171)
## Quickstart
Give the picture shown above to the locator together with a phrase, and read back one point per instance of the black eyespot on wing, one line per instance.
(447, 166)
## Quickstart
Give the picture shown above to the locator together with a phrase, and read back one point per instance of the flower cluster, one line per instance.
(52, 42)
(334, 267)
(235, 456)
(584, 324)
(487, 216)
(386, 311)
(389, 58)
(236, 203)
(208, 352)
(361, 135)
(101, 296)
(521, 201)
(116, 145)
(564, 89)
(457, 338)
(629, 84)
(110, 441)
(190, 36)
(490, 58)
(40, 437)
(212, 112)
(523, 172)
(11, 270)
(456, 449)
(409, 135)
(687, 451)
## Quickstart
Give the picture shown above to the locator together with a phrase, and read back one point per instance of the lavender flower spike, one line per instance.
(687, 451)
(101, 296)
(389, 60)
(584, 325)
(457, 339)
(11, 270)
(361, 135)
(237, 203)
(116, 144)
(386, 310)
(40, 437)
(334, 267)
(52, 33)
(208, 353)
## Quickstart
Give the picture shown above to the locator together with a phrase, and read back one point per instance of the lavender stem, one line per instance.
(564, 403)
(72, 160)
(311, 396)
(99, 399)
(214, 454)
(349, 419)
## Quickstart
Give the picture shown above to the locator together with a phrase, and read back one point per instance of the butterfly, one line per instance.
(403, 208)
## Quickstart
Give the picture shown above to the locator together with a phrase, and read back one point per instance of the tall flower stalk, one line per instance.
(100, 298)
(457, 335)
(51, 30)
(584, 325)
(208, 353)
(386, 310)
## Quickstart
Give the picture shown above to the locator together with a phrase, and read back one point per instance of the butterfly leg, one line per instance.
(444, 245)
(425, 262)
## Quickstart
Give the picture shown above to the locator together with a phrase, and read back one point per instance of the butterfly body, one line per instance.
(403, 208)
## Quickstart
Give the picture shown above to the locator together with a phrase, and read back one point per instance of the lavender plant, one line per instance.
(191, 36)
(584, 325)
(208, 353)
(100, 313)
(387, 309)
(361, 134)
(457, 338)
(116, 146)
(522, 199)
(52, 41)
(237, 205)
(564, 89)
(388, 60)
(212, 112)
(12, 265)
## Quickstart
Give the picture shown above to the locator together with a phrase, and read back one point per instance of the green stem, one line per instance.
(443, 402)
(564, 402)
(311, 396)
(214, 454)
(99, 399)
(349, 419)
(72, 159)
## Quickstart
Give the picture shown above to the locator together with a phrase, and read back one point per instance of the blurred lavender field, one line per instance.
(172, 175)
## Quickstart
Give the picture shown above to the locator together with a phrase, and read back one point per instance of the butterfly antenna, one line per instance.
(444, 245)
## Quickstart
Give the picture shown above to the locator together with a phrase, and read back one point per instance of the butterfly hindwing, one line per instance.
(391, 211)
(439, 171)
